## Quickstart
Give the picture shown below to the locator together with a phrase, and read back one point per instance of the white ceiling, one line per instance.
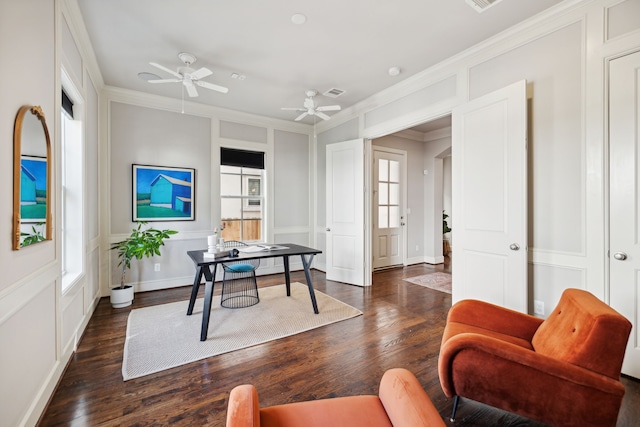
(345, 44)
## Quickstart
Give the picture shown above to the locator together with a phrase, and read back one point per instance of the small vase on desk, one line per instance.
(211, 244)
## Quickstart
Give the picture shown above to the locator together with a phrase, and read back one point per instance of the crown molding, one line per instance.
(141, 99)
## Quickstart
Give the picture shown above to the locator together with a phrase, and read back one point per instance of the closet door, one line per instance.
(624, 215)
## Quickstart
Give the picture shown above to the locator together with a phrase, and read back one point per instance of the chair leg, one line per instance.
(456, 400)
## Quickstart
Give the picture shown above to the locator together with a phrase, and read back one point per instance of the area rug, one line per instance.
(439, 281)
(163, 336)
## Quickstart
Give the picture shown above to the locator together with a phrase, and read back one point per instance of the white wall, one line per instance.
(40, 325)
(562, 53)
(150, 130)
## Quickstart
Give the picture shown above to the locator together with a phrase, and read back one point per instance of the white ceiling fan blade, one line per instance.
(211, 86)
(165, 69)
(201, 73)
(165, 81)
(301, 116)
(191, 89)
(293, 109)
(323, 116)
(329, 108)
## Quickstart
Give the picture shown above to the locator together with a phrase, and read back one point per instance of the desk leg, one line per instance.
(194, 291)
(287, 277)
(208, 296)
(312, 293)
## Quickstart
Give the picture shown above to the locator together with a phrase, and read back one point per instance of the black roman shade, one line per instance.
(67, 104)
(241, 158)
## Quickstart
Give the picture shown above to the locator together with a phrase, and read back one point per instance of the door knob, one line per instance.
(514, 246)
(620, 256)
(328, 229)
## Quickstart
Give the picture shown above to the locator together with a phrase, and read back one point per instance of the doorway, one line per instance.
(427, 150)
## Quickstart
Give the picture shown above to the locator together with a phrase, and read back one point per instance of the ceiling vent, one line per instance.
(482, 5)
(334, 93)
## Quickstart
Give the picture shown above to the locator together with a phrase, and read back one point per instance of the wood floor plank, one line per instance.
(401, 327)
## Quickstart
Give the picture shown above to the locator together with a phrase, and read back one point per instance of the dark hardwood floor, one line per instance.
(401, 327)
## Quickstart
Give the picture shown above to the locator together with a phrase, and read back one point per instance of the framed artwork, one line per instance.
(163, 193)
(33, 189)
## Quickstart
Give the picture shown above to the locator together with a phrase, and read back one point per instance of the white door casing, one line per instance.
(489, 181)
(389, 218)
(624, 203)
(345, 244)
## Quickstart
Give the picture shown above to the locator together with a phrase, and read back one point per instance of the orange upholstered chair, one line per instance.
(563, 371)
(401, 401)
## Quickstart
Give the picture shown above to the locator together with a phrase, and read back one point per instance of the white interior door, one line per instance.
(624, 220)
(388, 212)
(345, 212)
(489, 180)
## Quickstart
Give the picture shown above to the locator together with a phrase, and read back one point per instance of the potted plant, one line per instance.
(140, 243)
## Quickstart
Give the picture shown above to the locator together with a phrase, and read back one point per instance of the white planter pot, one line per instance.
(121, 297)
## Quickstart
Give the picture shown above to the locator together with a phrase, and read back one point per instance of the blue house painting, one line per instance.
(172, 193)
(27, 187)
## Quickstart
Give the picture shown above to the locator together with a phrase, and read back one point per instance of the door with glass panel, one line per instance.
(388, 217)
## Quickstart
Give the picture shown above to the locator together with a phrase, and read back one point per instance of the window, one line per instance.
(241, 203)
(72, 193)
(242, 194)
(388, 194)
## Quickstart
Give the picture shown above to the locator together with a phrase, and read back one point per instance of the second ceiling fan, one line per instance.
(188, 76)
(311, 109)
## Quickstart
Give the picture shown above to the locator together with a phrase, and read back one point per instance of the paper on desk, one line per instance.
(260, 248)
(250, 249)
(272, 247)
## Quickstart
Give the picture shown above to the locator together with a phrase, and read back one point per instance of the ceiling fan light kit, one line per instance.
(311, 109)
(189, 77)
(187, 58)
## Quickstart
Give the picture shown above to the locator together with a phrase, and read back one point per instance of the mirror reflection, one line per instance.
(31, 210)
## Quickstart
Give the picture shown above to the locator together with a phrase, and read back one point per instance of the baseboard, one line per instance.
(434, 260)
(424, 260)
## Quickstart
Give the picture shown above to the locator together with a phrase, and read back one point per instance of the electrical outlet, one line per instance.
(156, 267)
(538, 307)
(417, 248)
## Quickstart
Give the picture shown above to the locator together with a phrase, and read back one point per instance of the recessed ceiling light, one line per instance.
(394, 71)
(148, 76)
(298, 18)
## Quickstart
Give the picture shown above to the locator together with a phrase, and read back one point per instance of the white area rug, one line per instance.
(163, 336)
(439, 281)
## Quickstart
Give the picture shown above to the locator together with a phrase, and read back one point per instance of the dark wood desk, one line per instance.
(203, 268)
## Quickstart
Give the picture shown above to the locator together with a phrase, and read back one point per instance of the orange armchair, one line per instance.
(401, 401)
(563, 371)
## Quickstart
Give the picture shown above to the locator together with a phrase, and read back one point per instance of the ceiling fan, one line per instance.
(188, 76)
(311, 109)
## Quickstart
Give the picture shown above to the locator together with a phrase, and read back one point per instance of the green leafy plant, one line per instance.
(34, 237)
(445, 226)
(140, 243)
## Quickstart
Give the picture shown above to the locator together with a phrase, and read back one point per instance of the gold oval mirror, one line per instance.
(31, 178)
